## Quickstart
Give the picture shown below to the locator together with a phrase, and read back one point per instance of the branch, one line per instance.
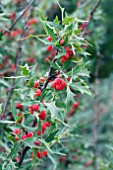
(20, 16)
(90, 18)
(17, 63)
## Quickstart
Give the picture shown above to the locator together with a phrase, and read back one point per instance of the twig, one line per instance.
(90, 18)
(17, 63)
(20, 16)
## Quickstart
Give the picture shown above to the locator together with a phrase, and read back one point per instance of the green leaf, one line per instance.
(25, 69)
(13, 110)
(67, 20)
(42, 19)
(56, 20)
(51, 32)
(70, 97)
(51, 136)
(83, 89)
(14, 151)
(55, 112)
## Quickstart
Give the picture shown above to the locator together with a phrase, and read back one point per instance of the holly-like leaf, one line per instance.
(70, 97)
(13, 110)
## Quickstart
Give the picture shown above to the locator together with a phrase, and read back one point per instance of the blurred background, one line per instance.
(91, 148)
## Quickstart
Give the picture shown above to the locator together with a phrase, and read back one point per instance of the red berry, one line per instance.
(17, 159)
(12, 15)
(53, 84)
(61, 41)
(39, 154)
(36, 83)
(49, 48)
(39, 132)
(43, 127)
(63, 83)
(47, 124)
(31, 109)
(30, 134)
(59, 87)
(37, 143)
(49, 38)
(38, 92)
(58, 80)
(31, 21)
(35, 107)
(16, 131)
(24, 136)
(69, 78)
(42, 115)
(45, 153)
(19, 106)
(75, 105)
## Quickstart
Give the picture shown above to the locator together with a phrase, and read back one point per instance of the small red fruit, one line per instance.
(39, 132)
(49, 48)
(16, 131)
(35, 107)
(39, 154)
(49, 38)
(30, 134)
(61, 41)
(37, 143)
(47, 124)
(38, 92)
(45, 153)
(43, 127)
(42, 115)
(36, 83)
(75, 105)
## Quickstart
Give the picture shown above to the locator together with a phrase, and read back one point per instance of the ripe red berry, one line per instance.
(30, 134)
(69, 78)
(39, 132)
(37, 143)
(49, 38)
(75, 105)
(35, 107)
(39, 154)
(19, 106)
(31, 21)
(53, 85)
(36, 83)
(58, 80)
(38, 92)
(45, 153)
(17, 159)
(31, 109)
(63, 83)
(59, 87)
(16, 131)
(47, 124)
(49, 48)
(24, 136)
(43, 127)
(42, 115)
(12, 15)
(61, 41)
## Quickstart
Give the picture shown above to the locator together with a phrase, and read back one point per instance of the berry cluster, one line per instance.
(69, 53)
(41, 154)
(28, 135)
(58, 84)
